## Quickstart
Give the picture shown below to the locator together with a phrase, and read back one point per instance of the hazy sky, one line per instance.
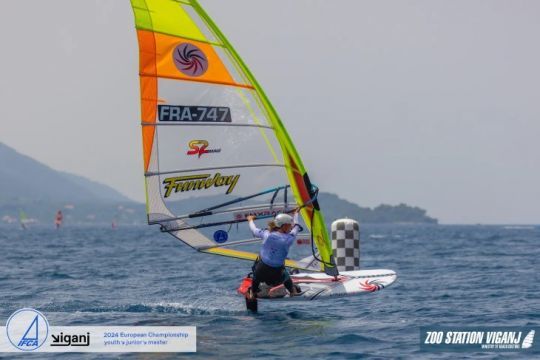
(432, 103)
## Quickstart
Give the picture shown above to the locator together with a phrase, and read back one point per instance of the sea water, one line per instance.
(135, 275)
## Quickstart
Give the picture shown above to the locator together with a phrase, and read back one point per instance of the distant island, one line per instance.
(335, 208)
(81, 200)
(85, 201)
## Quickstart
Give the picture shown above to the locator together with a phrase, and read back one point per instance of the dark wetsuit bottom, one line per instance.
(270, 275)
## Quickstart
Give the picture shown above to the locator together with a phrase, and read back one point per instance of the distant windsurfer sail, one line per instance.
(58, 219)
(23, 220)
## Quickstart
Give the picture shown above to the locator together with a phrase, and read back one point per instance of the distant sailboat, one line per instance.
(59, 219)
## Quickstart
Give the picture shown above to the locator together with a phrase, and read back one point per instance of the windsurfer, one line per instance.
(270, 265)
(58, 219)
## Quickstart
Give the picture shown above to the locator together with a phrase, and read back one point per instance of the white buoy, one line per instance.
(346, 244)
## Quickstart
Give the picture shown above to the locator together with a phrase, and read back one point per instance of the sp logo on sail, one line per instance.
(200, 147)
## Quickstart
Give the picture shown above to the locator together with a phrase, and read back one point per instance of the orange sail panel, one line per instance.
(174, 57)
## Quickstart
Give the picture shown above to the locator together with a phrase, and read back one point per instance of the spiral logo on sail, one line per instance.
(190, 60)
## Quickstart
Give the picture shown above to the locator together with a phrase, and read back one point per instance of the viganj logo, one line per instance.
(482, 338)
(528, 341)
(27, 329)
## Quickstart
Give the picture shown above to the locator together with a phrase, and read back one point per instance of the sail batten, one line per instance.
(245, 86)
(207, 124)
(212, 168)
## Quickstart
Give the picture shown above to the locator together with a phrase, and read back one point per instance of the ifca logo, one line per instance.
(27, 329)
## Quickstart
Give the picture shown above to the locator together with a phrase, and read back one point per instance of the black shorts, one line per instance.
(268, 274)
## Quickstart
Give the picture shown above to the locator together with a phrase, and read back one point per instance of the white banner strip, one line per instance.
(117, 339)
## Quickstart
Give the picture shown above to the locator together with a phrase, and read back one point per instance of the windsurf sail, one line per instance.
(214, 147)
(58, 219)
(23, 219)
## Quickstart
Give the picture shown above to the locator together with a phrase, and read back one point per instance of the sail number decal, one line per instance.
(199, 183)
(218, 114)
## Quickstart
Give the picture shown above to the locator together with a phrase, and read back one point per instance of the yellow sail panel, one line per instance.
(166, 17)
(246, 255)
